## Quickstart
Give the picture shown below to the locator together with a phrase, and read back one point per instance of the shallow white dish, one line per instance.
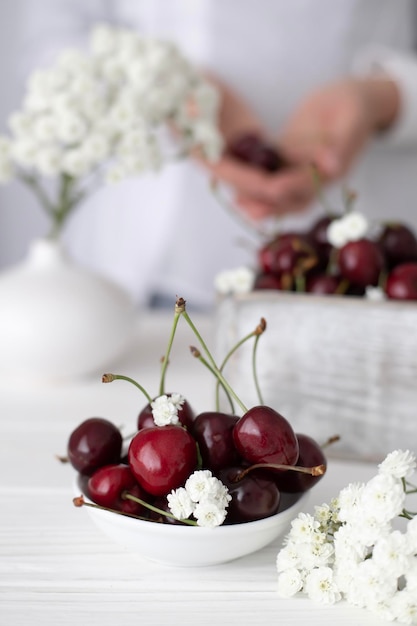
(192, 546)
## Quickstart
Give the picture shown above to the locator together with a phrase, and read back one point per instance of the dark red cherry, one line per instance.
(268, 281)
(108, 484)
(288, 254)
(398, 244)
(213, 432)
(186, 415)
(253, 497)
(161, 458)
(263, 435)
(323, 284)
(318, 237)
(401, 282)
(311, 455)
(253, 150)
(361, 262)
(94, 443)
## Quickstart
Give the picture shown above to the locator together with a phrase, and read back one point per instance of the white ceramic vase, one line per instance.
(59, 321)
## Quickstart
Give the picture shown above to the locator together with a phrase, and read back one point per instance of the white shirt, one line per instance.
(167, 234)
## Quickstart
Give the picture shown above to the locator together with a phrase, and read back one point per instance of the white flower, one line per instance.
(209, 513)
(399, 463)
(350, 227)
(204, 496)
(336, 235)
(349, 549)
(290, 582)
(239, 280)
(202, 484)
(165, 409)
(320, 586)
(383, 498)
(355, 225)
(180, 503)
(390, 554)
(375, 294)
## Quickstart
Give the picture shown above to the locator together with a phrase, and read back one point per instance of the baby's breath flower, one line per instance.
(350, 227)
(209, 513)
(290, 582)
(375, 294)
(180, 503)
(165, 410)
(204, 496)
(239, 280)
(320, 586)
(350, 550)
(80, 116)
(399, 463)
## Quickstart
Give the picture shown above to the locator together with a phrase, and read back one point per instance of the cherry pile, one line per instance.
(257, 455)
(307, 262)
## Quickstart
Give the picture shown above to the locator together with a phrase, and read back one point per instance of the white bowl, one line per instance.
(191, 546)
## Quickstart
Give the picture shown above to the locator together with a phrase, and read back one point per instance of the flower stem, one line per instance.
(109, 378)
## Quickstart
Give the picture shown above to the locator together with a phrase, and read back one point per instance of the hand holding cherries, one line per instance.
(232, 467)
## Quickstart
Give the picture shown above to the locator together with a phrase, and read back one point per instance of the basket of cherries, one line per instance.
(338, 254)
(238, 477)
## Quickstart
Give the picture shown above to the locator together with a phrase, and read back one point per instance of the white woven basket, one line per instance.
(330, 365)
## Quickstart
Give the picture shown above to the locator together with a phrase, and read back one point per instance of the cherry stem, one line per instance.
(349, 198)
(330, 441)
(165, 360)
(79, 502)
(197, 354)
(255, 333)
(109, 378)
(255, 369)
(217, 372)
(128, 496)
(317, 470)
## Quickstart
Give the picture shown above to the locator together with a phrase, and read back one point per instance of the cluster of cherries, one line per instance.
(306, 261)
(264, 464)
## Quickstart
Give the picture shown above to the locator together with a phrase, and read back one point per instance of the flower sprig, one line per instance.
(204, 497)
(349, 549)
(108, 111)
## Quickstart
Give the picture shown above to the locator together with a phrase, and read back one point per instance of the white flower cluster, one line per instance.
(108, 105)
(350, 227)
(203, 496)
(238, 280)
(165, 409)
(350, 550)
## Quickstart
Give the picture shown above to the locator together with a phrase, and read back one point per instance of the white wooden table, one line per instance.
(55, 566)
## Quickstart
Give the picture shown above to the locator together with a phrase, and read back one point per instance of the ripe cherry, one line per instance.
(268, 281)
(94, 443)
(361, 262)
(263, 435)
(398, 244)
(162, 458)
(287, 254)
(402, 282)
(252, 149)
(323, 284)
(311, 454)
(213, 432)
(108, 484)
(253, 497)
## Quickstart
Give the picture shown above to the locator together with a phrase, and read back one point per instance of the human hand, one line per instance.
(258, 193)
(329, 129)
(332, 125)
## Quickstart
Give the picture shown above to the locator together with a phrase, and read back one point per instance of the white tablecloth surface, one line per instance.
(55, 565)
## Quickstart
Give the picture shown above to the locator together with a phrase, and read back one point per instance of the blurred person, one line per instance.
(333, 83)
